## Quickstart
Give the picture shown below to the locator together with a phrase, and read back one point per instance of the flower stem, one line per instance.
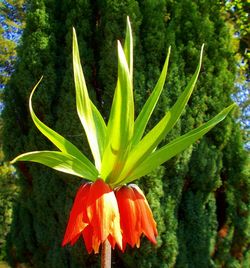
(106, 255)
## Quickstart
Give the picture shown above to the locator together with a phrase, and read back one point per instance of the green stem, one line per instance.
(106, 255)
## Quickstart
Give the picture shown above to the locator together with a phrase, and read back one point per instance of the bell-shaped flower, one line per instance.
(135, 216)
(120, 216)
(95, 216)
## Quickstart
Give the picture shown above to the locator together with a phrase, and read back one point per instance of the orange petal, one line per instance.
(112, 241)
(78, 218)
(73, 241)
(148, 224)
(95, 243)
(87, 234)
(129, 215)
(103, 213)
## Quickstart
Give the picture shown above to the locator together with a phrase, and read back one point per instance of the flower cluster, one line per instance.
(99, 213)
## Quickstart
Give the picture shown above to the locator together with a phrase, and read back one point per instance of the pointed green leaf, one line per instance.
(90, 117)
(101, 129)
(60, 161)
(121, 122)
(142, 119)
(149, 143)
(128, 48)
(59, 141)
(175, 147)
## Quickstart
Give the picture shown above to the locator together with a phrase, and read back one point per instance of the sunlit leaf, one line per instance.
(59, 141)
(121, 122)
(149, 143)
(90, 117)
(128, 48)
(60, 161)
(175, 147)
(143, 117)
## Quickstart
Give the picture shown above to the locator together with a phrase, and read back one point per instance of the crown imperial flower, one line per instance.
(100, 213)
(135, 215)
(106, 209)
(95, 216)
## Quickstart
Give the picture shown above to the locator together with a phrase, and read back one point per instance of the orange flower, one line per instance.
(136, 217)
(95, 216)
(99, 213)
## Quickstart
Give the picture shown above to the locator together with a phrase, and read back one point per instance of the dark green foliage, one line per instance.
(200, 206)
(236, 220)
(8, 193)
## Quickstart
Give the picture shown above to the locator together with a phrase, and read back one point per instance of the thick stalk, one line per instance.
(106, 255)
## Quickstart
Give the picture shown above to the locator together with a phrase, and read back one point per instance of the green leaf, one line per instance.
(101, 129)
(90, 117)
(128, 48)
(60, 161)
(59, 141)
(175, 147)
(142, 119)
(149, 143)
(121, 123)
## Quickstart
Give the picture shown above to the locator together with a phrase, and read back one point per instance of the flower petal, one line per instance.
(103, 213)
(78, 219)
(148, 224)
(87, 235)
(129, 215)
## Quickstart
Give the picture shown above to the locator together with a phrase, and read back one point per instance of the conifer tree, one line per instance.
(11, 23)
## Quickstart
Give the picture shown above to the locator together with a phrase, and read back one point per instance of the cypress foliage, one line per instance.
(8, 194)
(33, 231)
(233, 240)
(202, 209)
(189, 196)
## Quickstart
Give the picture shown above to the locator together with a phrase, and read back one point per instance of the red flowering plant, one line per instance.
(109, 210)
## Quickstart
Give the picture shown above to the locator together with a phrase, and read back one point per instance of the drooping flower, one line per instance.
(106, 209)
(99, 213)
(136, 215)
(95, 216)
